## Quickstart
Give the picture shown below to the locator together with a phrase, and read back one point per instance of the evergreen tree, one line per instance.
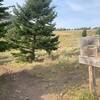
(98, 31)
(84, 33)
(32, 28)
(3, 18)
(3, 23)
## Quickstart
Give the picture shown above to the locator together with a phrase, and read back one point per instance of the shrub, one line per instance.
(4, 46)
(84, 33)
(98, 31)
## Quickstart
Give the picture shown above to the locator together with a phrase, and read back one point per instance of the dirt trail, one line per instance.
(22, 86)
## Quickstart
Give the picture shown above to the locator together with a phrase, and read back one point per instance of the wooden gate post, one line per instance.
(92, 81)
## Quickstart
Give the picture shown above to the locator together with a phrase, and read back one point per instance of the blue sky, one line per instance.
(73, 13)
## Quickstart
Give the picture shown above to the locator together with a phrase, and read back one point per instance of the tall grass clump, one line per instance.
(86, 95)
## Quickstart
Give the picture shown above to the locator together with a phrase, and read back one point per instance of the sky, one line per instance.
(72, 13)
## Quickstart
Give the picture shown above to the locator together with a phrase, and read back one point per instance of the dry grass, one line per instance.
(64, 75)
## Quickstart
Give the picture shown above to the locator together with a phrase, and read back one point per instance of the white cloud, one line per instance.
(82, 5)
(75, 7)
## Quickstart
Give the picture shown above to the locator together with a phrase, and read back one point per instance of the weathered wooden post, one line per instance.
(92, 80)
(89, 56)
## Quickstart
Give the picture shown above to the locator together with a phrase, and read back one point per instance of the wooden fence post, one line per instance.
(92, 81)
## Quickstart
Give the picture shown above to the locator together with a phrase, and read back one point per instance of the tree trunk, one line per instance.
(31, 56)
(50, 56)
